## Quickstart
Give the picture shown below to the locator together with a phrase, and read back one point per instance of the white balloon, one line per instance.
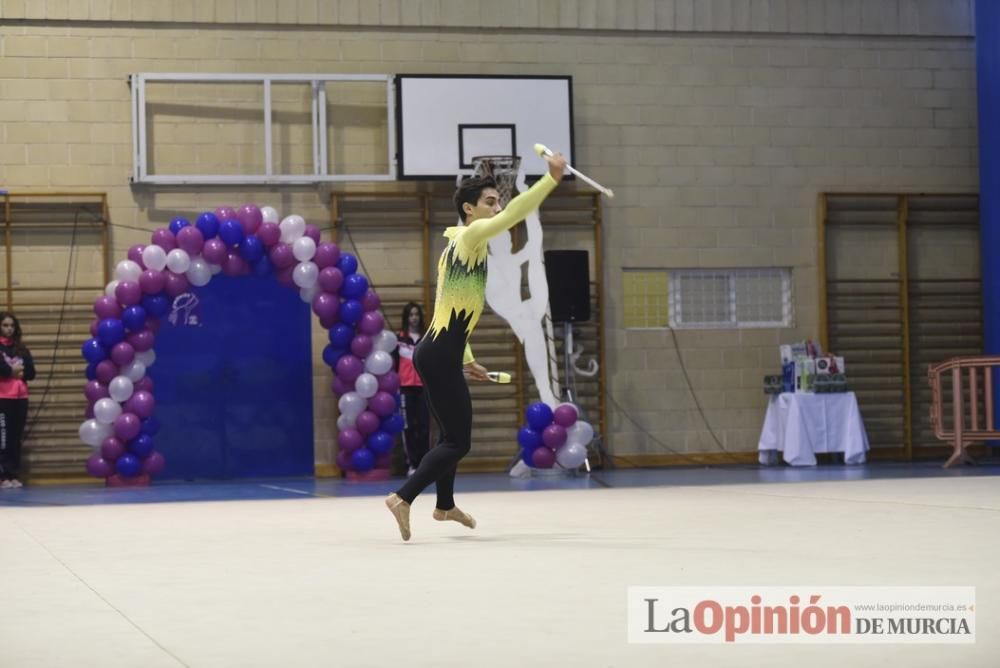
(216, 268)
(127, 270)
(345, 422)
(269, 214)
(303, 249)
(199, 273)
(134, 370)
(386, 341)
(305, 274)
(154, 257)
(93, 432)
(351, 405)
(366, 385)
(571, 455)
(147, 357)
(580, 433)
(106, 410)
(178, 261)
(292, 227)
(109, 289)
(378, 362)
(120, 388)
(307, 294)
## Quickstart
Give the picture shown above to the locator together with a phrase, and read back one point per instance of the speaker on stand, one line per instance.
(568, 275)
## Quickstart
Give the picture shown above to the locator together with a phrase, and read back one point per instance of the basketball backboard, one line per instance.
(443, 121)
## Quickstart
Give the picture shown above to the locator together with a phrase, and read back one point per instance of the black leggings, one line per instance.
(439, 363)
(13, 415)
(417, 436)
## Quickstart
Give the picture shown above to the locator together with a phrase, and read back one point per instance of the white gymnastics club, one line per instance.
(543, 151)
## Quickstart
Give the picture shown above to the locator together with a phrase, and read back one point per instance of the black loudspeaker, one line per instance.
(568, 273)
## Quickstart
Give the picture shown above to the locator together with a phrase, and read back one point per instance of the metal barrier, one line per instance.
(967, 425)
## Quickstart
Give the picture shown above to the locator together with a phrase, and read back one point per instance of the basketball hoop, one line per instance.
(502, 169)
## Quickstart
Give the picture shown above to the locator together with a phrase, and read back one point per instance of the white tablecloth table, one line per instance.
(800, 425)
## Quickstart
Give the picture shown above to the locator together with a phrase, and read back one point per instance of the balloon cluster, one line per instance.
(554, 437)
(120, 425)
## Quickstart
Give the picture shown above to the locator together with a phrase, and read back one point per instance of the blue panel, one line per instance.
(233, 382)
(988, 90)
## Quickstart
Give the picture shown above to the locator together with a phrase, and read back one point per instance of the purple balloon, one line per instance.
(543, 458)
(330, 279)
(153, 463)
(89, 413)
(152, 281)
(224, 213)
(99, 467)
(371, 301)
(235, 265)
(94, 390)
(250, 218)
(382, 404)
(388, 382)
(141, 403)
(349, 368)
(371, 323)
(326, 306)
(349, 439)
(112, 448)
(367, 423)
(122, 353)
(191, 240)
(107, 307)
(284, 276)
(140, 341)
(281, 255)
(128, 293)
(106, 371)
(176, 284)
(361, 345)
(565, 415)
(165, 239)
(327, 254)
(135, 254)
(269, 234)
(344, 460)
(312, 232)
(341, 388)
(554, 436)
(144, 384)
(127, 426)
(214, 251)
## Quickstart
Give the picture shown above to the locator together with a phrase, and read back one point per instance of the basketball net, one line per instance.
(503, 170)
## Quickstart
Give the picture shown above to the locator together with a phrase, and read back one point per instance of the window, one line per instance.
(708, 298)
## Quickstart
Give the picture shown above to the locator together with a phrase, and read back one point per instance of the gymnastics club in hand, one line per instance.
(544, 152)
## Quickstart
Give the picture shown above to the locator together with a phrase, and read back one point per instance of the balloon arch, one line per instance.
(120, 423)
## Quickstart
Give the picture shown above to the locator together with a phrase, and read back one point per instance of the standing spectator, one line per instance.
(416, 436)
(16, 369)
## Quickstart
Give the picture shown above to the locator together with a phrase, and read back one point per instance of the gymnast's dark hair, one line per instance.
(470, 190)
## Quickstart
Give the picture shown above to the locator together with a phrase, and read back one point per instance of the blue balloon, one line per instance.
(177, 224)
(348, 264)
(362, 460)
(134, 318)
(208, 224)
(231, 232)
(529, 439)
(538, 416)
(157, 305)
(341, 335)
(331, 354)
(351, 311)
(380, 442)
(252, 249)
(141, 445)
(354, 287)
(526, 454)
(91, 371)
(128, 465)
(263, 266)
(150, 426)
(93, 352)
(110, 331)
(393, 424)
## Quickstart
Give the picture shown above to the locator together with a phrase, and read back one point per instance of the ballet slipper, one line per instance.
(400, 509)
(455, 515)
